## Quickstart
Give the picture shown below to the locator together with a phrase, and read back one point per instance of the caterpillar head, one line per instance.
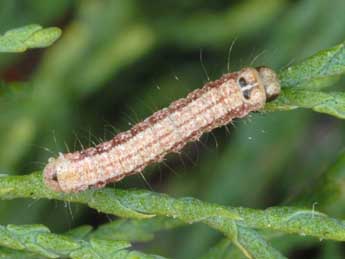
(258, 85)
(270, 81)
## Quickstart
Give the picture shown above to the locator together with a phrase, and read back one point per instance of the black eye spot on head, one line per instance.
(246, 94)
(242, 82)
(54, 178)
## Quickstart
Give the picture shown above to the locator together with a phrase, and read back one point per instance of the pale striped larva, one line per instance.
(234, 95)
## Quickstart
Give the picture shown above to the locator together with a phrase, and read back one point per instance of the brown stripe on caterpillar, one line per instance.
(234, 95)
(157, 116)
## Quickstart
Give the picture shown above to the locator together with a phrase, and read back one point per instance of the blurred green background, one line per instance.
(118, 61)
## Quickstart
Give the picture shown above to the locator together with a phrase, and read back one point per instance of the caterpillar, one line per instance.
(234, 95)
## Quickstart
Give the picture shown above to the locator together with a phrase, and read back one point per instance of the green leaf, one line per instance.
(326, 63)
(219, 251)
(38, 240)
(79, 232)
(316, 84)
(294, 220)
(227, 220)
(30, 36)
(7, 253)
(134, 230)
(332, 103)
(254, 246)
(300, 81)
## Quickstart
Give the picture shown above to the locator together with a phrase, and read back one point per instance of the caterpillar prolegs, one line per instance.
(168, 130)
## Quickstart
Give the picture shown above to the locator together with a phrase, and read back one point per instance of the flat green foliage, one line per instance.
(104, 64)
(326, 63)
(235, 223)
(218, 251)
(332, 103)
(298, 83)
(39, 240)
(28, 37)
(135, 230)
